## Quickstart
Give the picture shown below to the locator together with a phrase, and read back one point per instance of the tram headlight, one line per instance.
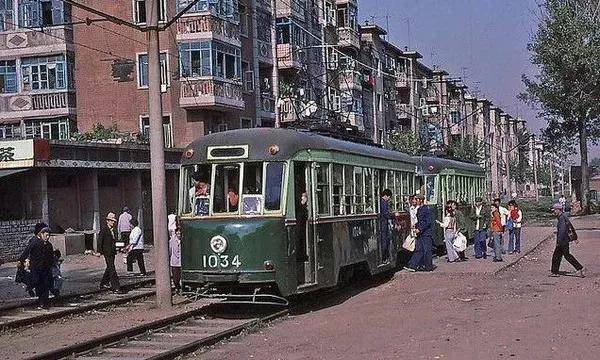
(218, 244)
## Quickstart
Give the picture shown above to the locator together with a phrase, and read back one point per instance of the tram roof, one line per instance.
(289, 141)
(434, 165)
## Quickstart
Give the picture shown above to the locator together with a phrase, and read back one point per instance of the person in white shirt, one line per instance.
(449, 226)
(124, 228)
(412, 210)
(175, 259)
(504, 214)
(136, 248)
(172, 224)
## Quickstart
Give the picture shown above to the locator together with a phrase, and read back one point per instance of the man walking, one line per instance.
(41, 258)
(481, 219)
(106, 247)
(421, 259)
(384, 224)
(124, 228)
(562, 244)
(136, 248)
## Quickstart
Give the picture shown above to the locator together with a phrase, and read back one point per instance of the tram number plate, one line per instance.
(220, 261)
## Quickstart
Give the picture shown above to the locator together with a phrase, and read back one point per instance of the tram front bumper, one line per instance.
(244, 277)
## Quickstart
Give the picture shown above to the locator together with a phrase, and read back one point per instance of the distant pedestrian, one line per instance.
(106, 247)
(504, 213)
(563, 228)
(124, 228)
(449, 226)
(514, 230)
(39, 251)
(461, 225)
(385, 233)
(57, 279)
(175, 259)
(481, 219)
(497, 230)
(422, 257)
(171, 223)
(135, 249)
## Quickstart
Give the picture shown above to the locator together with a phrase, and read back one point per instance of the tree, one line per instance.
(467, 149)
(520, 170)
(566, 49)
(405, 141)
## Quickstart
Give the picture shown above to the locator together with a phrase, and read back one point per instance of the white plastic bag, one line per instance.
(460, 242)
(409, 242)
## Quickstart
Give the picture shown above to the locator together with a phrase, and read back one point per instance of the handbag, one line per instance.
(409, 243)
(460, 242)
(571, 233)
(491, 242)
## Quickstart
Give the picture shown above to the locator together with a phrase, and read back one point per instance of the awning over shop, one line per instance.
(9, 172)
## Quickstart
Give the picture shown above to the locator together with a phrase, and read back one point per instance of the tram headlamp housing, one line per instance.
(218, 244)
(269, 265)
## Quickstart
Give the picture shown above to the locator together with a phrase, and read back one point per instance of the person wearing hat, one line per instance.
(562, 243)
(40, 253)
(124, 228)
(481, 219)
(106, 247)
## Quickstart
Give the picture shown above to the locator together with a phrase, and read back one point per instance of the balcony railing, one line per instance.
(211, 94)
(293, 9)
(37, 104)
(52, 40)
(351, 80)
(288, 57)
(348, 37)
(267, 105)
(402, 80)
(265, 52)
(207, 26)
(60, 100)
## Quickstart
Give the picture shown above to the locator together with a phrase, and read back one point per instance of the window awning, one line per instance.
(9, 172)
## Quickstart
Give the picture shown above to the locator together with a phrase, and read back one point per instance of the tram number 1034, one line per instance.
(220, 261)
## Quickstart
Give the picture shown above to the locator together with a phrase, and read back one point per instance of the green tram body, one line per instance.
(342, 227)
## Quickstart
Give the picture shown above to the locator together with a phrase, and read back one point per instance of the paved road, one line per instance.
(518, 313)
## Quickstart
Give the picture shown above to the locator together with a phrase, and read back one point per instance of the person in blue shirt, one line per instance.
(562, 244)
(385, 215)
(422, 257)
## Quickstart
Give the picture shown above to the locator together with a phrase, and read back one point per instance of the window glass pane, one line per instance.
(253, 178)
(398, 194)
(430, 192)
(349, 189)
(274, 185)
(369, 208)
(226, 188)
(338, 186)
(358, 190)
(196, 190)
(323, 188)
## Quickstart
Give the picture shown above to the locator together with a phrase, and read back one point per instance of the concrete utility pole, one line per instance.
(157, 161)
(275, 71)
(551, 176)
(535, 167)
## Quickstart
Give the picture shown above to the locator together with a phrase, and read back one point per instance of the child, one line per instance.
(175, 259)
(57, 279)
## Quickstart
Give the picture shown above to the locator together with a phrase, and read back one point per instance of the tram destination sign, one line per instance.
(16, 154)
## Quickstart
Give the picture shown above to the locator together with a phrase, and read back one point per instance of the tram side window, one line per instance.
(274, 185)
(369, 208)
(197, 188)
(252, 189)
(398, 193)
(323, 188)
(338, 187)
(406, 188)
(359, 202)
(430, 193)
(349, 190)
(226, 188)
(379, 182)
(389, 184)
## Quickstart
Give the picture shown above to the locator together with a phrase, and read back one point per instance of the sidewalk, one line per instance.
(531, 237)
(82, 273)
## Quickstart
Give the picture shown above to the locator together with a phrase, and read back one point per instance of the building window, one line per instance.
(139, 11)
(245, 123)
(8, 76)
(263, 26)
(44, 73)
(167, 129)
(43, 13)
(10, 131)
(290, 33)
(210, 58)
(143, 70)
(57, 129)
(6, 15)
(224, 8)
(455, 116)
(248, 76)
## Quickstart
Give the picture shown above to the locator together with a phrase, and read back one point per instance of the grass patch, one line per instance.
(537, 213)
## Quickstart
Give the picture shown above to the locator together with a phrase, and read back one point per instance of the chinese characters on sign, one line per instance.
(16, 154)
(7, 153)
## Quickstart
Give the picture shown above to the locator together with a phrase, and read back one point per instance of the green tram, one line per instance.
(440, 180)
(276, 212)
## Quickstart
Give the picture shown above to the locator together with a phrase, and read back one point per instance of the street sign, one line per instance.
(16, 154)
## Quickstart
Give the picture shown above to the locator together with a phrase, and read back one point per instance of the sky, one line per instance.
(482, 41)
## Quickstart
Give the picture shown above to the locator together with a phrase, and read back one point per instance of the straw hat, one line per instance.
(111, 216)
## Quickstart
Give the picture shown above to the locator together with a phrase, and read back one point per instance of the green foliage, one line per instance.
(467, 149)
(543, 175)
(406, 142)
(101, 133)
(520, 170)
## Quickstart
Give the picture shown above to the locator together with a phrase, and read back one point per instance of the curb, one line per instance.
(522, 255)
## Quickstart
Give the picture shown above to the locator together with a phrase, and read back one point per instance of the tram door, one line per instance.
(305, 232)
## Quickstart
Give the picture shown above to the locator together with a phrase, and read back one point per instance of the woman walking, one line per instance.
(497, 230)
(449, 226)
(175, 259)
(514, 234)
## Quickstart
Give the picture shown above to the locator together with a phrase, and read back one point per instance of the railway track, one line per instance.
(164, 339)
(15, 316)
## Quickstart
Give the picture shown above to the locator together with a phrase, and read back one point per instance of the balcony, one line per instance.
(207, 27)
(264, 5)
(267, 106)
(351, 80)
(354, 119)
(211, 94)
(402, 81)
(55, 39)
(292, 9)
(348, 38)
(265, 52)
(37, 104)
(288, 57)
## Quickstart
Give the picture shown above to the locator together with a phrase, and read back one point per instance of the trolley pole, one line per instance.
(157, 161)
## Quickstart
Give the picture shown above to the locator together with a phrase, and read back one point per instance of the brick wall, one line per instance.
(14, 236)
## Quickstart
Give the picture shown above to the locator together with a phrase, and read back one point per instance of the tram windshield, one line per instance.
(249, 188)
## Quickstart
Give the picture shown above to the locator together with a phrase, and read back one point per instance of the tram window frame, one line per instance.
(225, 199)
(281, 182)
(398, 194)
(323, 188)
(433, 199)
(337, 187)
(255, 200)
(188, 202)
(369, 203)
(359, 206)
(349, 206)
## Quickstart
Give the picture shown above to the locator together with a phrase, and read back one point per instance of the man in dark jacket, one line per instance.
(106, 247)
(422, 258)
(562, 244)
(481, 218)
(385, 216)
(41, 258)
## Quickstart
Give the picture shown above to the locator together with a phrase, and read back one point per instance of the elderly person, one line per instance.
(40, 253)
(562, 243)
(106, 247)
